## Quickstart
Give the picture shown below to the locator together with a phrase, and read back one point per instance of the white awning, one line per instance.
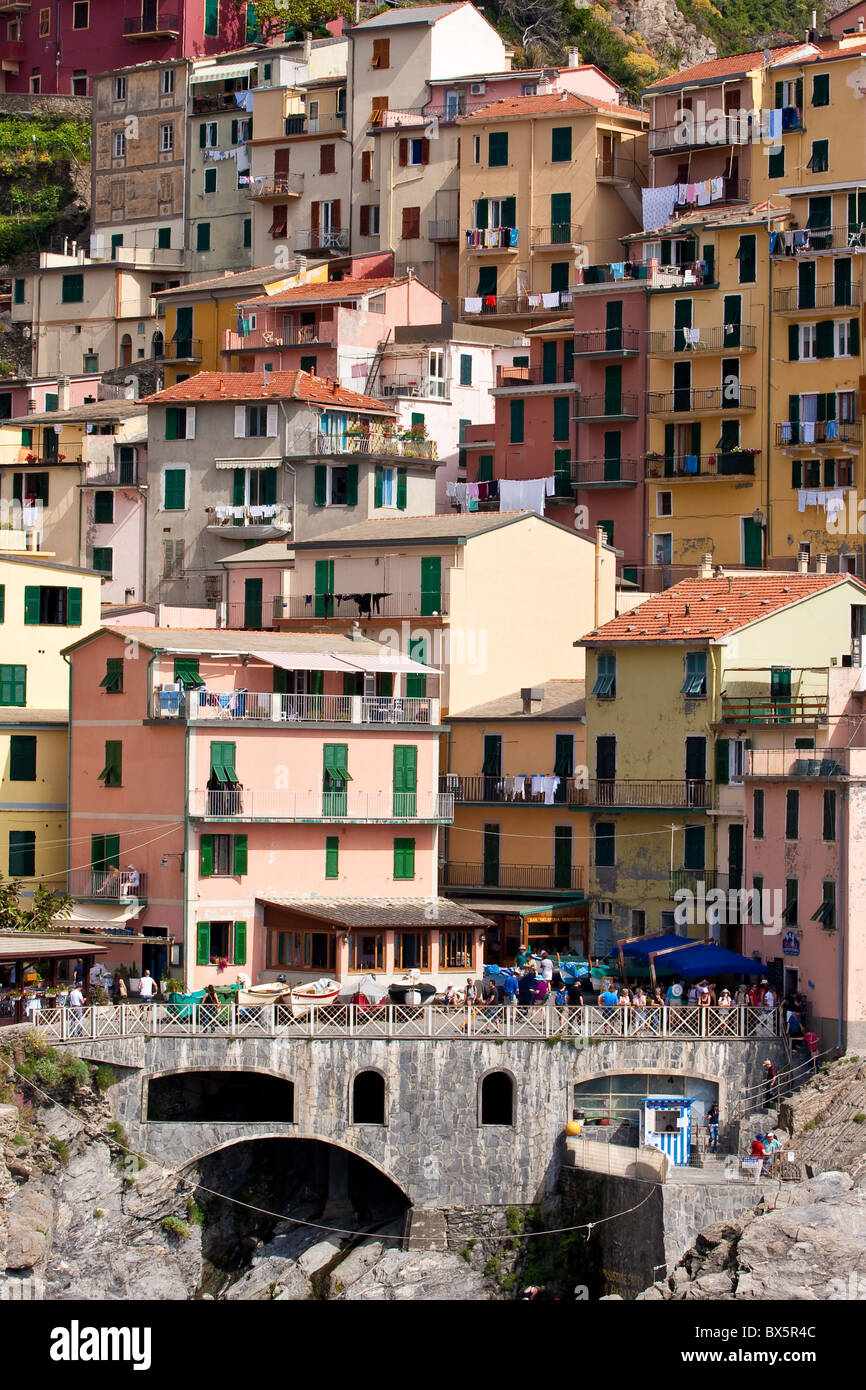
(392, 661)
(220, 70)
(248, 463)
(303, 661)
(97, 915)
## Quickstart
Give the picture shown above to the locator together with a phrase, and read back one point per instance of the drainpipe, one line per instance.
(68, 763)
(292, 469)
(842, 908)
(769, 358)
(187, 976)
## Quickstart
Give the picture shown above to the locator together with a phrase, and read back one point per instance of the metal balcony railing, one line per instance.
(98, 474)
(722, 338)
(491, 239)
(732, 129)
(262, 514)
(416, 603)
(149, 24)
(556, 234)
(821, 239)
(213, 706)
(786, 763)
(606, 407)
(317, 239)
(731, 464)
(687, 793)
(768, 709)
(265, 339)
(605, 472)
(686, 880)
(595, 341)
(215, 102)
(511, 376)
(546, 877)
(619, 168)
(243, 803)
(511, 304)
(281, 186)
(542, 789)
(796, 433)
(182, 350)
(444, 229)
(65, 453)
(712, 400)
(374, 443)
(791, 298)
(112, 885)
(405, 384)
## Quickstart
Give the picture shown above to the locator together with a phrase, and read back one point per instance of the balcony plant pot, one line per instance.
(134, 982)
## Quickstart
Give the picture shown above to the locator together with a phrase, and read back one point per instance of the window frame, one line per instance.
(696, 676)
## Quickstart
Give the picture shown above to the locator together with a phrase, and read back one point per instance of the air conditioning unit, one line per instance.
(477, 89)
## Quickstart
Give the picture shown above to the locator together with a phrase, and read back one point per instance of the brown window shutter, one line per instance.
(281, 163)
(365, 220)
(411, 223)
(403, 159)
(425, 151)
(327, 161)
(367, 166)
(314, 220)
(335, 218)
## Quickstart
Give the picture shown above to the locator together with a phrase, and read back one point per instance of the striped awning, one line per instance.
(248, 463)
(222, 70)
(667, 1102)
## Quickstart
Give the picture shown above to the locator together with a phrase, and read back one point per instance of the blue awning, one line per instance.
(705, 958)
(641, 949)
(667, 1103)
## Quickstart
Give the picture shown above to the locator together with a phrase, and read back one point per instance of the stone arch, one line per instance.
(157, 344)
(218, 1095)
(716, 1078)
(326, 1140)
(368, 1097)
(497, 1097)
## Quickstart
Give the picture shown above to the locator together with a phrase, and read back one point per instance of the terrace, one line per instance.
(262, 707)
(246, 804)
(546, 878)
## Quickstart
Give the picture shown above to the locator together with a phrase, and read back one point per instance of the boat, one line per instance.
(410, 990)
(317, 992)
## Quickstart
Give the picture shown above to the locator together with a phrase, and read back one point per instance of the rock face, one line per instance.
(419, 1276)
(669, 35)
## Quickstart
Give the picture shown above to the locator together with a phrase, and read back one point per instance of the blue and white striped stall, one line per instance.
(667, 1125)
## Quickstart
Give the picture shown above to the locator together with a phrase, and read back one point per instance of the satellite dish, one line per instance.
(767, 56)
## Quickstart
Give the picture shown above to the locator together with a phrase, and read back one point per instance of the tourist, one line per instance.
(608, 999)
(491, 999)
(450, 996)
(757, 1149)
(209, 1009)
(639, 1000)
(76, 1004)
(694, 995)
(470, 994)
(561, 996)
(713, 1126)
(768, 1001)
(725, 1001)
(674, 995)
(121, 994)
(794, 1027)
(546, 967)
(509, 985)
(542, 991)
(756, 994)
(771, 1084)
(705, 994)
(742, 994)
(526, 987)
(524, 956)
(147, 987)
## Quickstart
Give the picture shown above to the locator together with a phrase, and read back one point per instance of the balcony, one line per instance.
(607, 342)
(515, 877)
(65, 453)
(181, 350)
(282, 186)
(111, 474)
(601, 407)
(254, 522)
(15, 7)
(556, 234)
(514, 305)
(369, 808)
(519, 379)
(737, 463)
(687, 880)
(148, 25)
(516, 791)
(266, 339)
(210, 706)
(17, 540)
(687, 276)
(769, 709)
(713, 400)
(491, 239)
(319, 239)
(313, 607)
(389, 446)
(788, 765)
(672, 342)
(405, 384)
(791, 300)
(619, 168)
(791, 434)
(445, 229)
(651, 794)
(598, 473)
(107, 885)
(330, 123)
(695, 135)
(214, 104)
(819, 239)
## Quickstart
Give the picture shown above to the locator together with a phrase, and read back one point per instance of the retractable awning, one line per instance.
(97, 916)
(392, 661)
(303, 661)
(220, 71)
(248, 463)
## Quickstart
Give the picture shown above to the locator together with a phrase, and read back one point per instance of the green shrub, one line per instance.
(491, 1269)
(98, 1214)
(104, 1077)
(513, 1220)
(20, 1140)
(60, 1149)
(194, 1213)
(508, 1282)
(860, 1119)
(173, 1226)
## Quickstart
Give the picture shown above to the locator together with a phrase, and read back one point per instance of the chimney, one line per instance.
(814, 19)
(705, 568)
(820, 564)
(802, 563)
(574, 57)
(861, 24)
(308, 46)
(63, 393)
(533, 698)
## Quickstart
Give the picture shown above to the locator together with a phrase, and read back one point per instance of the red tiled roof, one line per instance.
(553, 103)
(250, 386)
(704, 610)
(721, 67)
(327, 289)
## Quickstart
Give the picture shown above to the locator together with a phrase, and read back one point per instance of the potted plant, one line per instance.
(221, 963)
(172, 986)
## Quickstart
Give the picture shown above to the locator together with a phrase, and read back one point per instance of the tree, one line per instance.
(36, 914)
(539, 26)
(275, 17)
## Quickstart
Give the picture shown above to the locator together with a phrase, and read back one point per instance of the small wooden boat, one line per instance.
(409, 991)
(309, 996)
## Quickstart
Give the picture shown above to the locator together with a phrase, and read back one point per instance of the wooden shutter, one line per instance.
(239, 856)
(240, 421)
(31, 604)
(364, 220)
(722, 760)
(332, 857)
(320, 485)
(73, 608)
(202, 943)
(401, 489)
(234, 139)
(335, 215)
(240, 943)
(270, 486)
(271, 425)
(281, 163)
(793, 342)
(425, 151)
(314, 223)
(403, 153)
(367, 166)
(379, 496)
(352, 485)
(205, 857)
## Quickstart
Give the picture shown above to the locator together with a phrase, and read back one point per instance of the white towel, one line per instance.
(551, 300)
(550, 786)
(717, 188)
(703, 190)
(472, 306)
(808, 428)
(550, 485)
(801, 500)
(692, 335)
(537, 786)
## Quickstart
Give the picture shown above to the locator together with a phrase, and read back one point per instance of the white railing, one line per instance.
(264, 514)
(244, 803)
(530, 1023)
(14, 539)
(205, 705)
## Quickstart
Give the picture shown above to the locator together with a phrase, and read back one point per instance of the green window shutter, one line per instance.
(722, 759)
(562, 471)
(431, 585)
(103, 508)
(22, 853)
(465, 369)
(497, 148)
(239, 856)
(379, 494)
(746, 255)
(516, 422)
(612, 455)
(248, 237)
(202, 943)
(239, 487)
(560, 141)
(2, 603)
(317, 682)
(401, 489)
(332, 857)
(778, 96)
(13, 685)
(186, 671)
(205, 859)
(485, 468)
(211, 18)
(607, 527)
(240, 943)
(561, 418)
(796, 473)
(776, 163)
(320, 486)
(210, 180)
(855, 346)
(112, 681)
(202, 236)
(824, 339)
(270, 486)
(22, 758)
(560, 210)
(798, 94)
(31, 604)
(482, 213)
(19, 291)
(170, 424)
(352, 485)
(202, 135)
(793, 342)
(404, 858)
(175, 489)
(73, 608)
(694, 847)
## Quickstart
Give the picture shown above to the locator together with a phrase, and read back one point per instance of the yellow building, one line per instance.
(677, 690)
(517, 849)
(544, 180)
(41, 606)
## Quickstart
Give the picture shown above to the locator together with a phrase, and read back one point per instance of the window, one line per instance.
(792, 815)
(757, 814)
(44, 23)
(476, 149)
(79, 82)
(35, 82)
(497, 148)
(366, 952)
(22, 758)
(826, 913)
(560, 138)
(103, 508)
(561, 417)
(747, 257)
(255, 421)
(103, 560)
(166, 81)
(202, 236)
(223, 856)
(736, 760)
(404, 863)
(180, 421)
(112, 773)
(847, 338)
(212, 18)
(174, 490)
(497, 1099)
(112, 681)
(605, 676)
(72, 289)
(465, 369)
(516, 422)
(367, 166)
(607, 527)
(221, 941)
(381, 53)
(368, 1098)
(90, 363)
(327, 159)
(119, 145)
(81, 14)
(664, 504)
(120, 89)
(52, 605)
(605, 845)
(694, 847)
(455, 950)
(829, 830)
(820, 160)
(776, 162)
(411, 225)
(695, 683)
(172, 559)
(791, 910)
(22, 853)
(332, 856)
(166, 138)
(207, 135)
(248, 231)
(19, 291)
(13, 685)
(821, 89)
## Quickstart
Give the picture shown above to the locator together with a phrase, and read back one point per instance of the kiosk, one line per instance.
(666, 1123)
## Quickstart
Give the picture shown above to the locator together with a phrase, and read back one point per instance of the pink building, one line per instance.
(805, 798)
(266, 805)
(54, 50)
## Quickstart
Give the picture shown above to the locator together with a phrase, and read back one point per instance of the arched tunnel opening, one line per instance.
(241, 1097)
(278, 1184)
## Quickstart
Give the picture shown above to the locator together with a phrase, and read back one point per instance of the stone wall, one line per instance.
(27, 104)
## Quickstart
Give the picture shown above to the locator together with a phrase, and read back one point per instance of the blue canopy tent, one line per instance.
(695, 959)
(639, 950)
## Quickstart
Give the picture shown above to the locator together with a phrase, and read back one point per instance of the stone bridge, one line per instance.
(451, 1121)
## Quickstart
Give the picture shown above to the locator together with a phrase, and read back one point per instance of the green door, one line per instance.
(612, 390)
(780, 694)
(612, 456)
(431, 585)
(732, 314)
(548, 361)
(842, 282)
(253, 603)
(735, 856)
(183, 332)
(405, 779)
(491, 767)
(335, 779)
(560, 217)
(491, 856)
(806, 285)
(562, 838)
(682, 320)
(753, 544)
(324, 589)
(613, 325)
(416, 686)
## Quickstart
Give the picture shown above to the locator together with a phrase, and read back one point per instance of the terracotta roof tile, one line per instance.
(329, 289)
(263, 275)
(250, 386)
(721, 67)
(553, 103)
(705, 610)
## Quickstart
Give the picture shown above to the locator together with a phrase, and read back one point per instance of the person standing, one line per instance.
(771, 1084)
(713, 1127)
(524, 956)
(76, 1004)
(147, 988)
(546, 967)
(470, 994)
(526, 988)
